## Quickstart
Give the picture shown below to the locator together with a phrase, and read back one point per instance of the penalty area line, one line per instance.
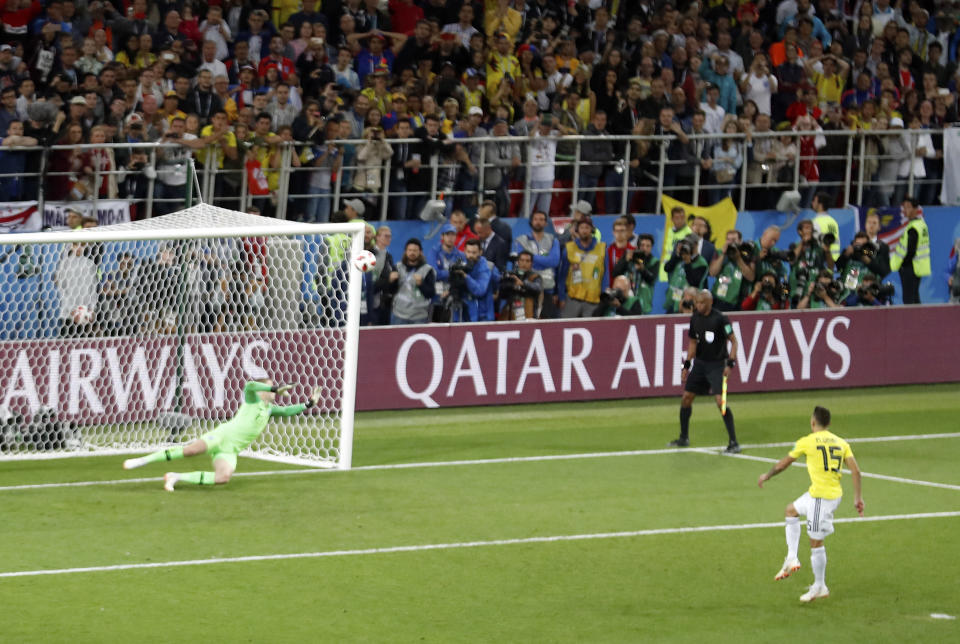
(455, 545)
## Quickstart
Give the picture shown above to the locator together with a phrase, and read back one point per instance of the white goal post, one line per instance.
(133, 337)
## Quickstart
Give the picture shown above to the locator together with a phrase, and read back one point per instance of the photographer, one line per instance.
(469, 284)
(823, 293)
(767, 295)
(442, 256)
(870, 292)
(732, 267)
(858, 259)
(810, 256)
(545, 249)
(684, 268)
(641, 268)
(767, 257)
(618, 300)
(521, 290)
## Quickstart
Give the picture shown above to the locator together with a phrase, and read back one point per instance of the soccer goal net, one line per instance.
(135, 336)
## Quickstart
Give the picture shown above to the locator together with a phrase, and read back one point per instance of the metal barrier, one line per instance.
(635, 181)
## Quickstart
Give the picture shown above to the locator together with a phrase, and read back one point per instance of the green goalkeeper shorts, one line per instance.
(220, 445)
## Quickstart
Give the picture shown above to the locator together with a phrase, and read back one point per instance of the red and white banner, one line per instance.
(109, 380)
(20, 217)
(109, 212)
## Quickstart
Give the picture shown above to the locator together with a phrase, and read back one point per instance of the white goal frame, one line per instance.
(125, 233)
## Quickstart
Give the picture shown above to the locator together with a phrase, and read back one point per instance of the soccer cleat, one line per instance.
(790, 566)
(733, 448)
(169, 480)
(815, 592)
(133, 463)
(680, 442)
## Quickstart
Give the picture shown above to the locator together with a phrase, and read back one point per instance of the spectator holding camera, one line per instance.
(684, 268)
(521, 290)
(733, 269)
(617, 300)
(870, 292)
(582, 272)
(810, 255)
(767, 295)
(822, 293)
(641, 268)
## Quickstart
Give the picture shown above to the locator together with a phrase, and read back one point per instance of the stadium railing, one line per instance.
(842, 170)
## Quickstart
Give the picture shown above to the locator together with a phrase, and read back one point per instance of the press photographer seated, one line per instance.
(824, 292)
(521, 290)
(768, 294)
(641, 267)
(870, 292)
(618, 300)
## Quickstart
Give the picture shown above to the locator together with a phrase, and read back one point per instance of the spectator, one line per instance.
(715, 69)
(170, 187)
(542, 154)
(598, 156)
(725, 162)
(76, 282)
(492, 246)
(13, 163)
(504, 157)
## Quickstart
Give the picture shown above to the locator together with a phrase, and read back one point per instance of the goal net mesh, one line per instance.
(132, 337)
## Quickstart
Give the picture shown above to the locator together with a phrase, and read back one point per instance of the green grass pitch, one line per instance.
(886, 577)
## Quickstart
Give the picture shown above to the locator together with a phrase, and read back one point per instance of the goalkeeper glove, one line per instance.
(314, 397)
(282, 389)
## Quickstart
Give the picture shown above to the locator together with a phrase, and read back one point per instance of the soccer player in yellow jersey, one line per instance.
(825, 453)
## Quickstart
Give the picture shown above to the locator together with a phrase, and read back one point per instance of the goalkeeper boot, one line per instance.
(169, 480)
(790, 566)
(732, 448)
(680, 442)
(815, 592)
(134, 463)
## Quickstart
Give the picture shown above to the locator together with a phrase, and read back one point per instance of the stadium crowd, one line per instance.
(248, 86)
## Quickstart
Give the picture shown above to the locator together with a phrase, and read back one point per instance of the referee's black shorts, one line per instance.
(705, 377)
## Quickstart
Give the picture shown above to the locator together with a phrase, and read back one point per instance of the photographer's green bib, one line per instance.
(811, 260)
(728, 283)
(678, 282)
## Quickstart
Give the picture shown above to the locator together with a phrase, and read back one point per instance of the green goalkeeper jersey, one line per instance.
(252, 418)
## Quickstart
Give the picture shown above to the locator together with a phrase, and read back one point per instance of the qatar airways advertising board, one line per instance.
(122, 379)
(498, 363)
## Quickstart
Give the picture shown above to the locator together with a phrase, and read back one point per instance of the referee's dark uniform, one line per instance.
(710, 331)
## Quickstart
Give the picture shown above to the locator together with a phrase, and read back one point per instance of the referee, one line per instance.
(709, 332)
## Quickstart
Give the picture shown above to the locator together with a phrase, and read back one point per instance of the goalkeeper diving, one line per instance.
(226, 441)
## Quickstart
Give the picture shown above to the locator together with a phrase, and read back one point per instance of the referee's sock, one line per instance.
(728, 421)
(198, 478)
(685, 413)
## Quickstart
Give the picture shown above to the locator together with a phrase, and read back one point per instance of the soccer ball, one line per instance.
(364, 261)
(81, 315)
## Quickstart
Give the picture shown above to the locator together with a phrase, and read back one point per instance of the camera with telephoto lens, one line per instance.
(832, 289)
(864, 253)
(611, 294)
(826, 239)
(640, 260)
(458, 274)
(774, 255)
(879, 291)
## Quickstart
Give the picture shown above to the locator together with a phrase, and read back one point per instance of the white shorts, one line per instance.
(819, 513)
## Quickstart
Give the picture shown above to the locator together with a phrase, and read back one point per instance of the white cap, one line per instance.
(475, 110)
(896, 121)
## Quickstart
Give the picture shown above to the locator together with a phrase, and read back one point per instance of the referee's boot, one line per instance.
(680, 442)
(733, 447)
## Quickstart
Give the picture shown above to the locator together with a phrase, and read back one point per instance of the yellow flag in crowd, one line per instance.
(722, 217)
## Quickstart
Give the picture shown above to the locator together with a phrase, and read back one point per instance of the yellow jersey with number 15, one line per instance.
(825, 453)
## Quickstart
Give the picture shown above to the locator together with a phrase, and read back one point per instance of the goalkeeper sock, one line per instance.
(198, 478)
(728, 421)
(685, 413)
(818, 561)
(170, 454)
(793, 536)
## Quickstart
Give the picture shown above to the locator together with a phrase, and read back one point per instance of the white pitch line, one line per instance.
(481, 461)
(869, 475)
(456, 545)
